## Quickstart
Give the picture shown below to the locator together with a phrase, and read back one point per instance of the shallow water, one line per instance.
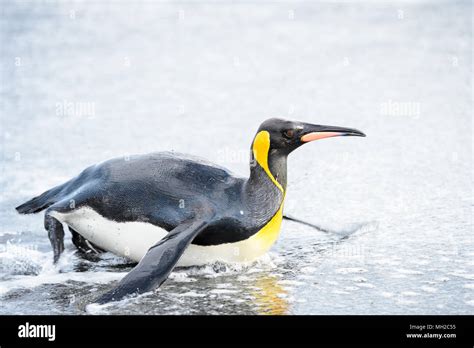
(84, 83)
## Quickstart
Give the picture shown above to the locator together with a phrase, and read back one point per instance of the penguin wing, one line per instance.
(154, 268)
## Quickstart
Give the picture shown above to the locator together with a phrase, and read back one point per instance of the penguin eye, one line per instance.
(289, 133)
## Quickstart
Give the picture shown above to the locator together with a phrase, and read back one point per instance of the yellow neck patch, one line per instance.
(260, 148)
(264, 239)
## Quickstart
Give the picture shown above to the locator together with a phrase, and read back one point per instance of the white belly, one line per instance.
(133, 239)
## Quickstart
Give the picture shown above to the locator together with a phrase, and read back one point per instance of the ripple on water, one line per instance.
(181, 277)
(409, 293)
(59, 278)
(462, 274)
(192, 294)
(290, 282)
(428, 289)
(386, 294)
(366, 285)
(224, 291)
(408, 271)
(404, 301)
(349, 270)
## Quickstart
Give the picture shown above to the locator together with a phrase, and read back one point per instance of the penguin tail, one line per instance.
(41, 202)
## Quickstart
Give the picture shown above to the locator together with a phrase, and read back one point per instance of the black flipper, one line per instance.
(319, 228)
(55, 235)
(83, 245)
(157, 263)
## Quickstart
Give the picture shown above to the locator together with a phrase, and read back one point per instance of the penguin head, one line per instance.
(285, 136)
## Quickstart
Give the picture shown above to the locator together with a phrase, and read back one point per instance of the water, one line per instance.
(84, 82)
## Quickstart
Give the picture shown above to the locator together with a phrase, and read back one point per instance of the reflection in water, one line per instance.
(270, 297)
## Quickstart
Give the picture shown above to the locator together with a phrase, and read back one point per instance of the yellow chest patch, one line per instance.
(262, 241)
(246, 250)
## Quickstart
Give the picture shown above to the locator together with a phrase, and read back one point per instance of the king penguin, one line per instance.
(166, 209)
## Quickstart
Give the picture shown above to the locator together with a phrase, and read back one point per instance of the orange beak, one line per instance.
(316, 132)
